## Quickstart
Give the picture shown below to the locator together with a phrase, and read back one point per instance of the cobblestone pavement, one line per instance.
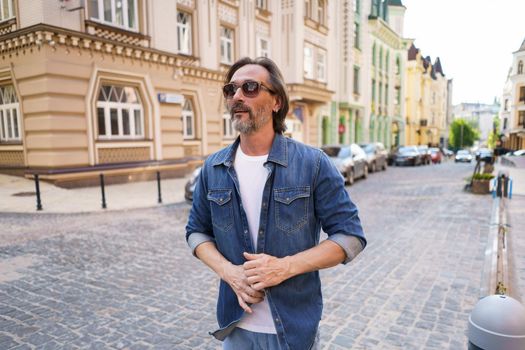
(126, 280)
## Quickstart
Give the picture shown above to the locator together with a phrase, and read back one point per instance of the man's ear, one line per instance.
(278, 104)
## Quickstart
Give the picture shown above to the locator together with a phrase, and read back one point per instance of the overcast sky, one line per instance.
(474, 40)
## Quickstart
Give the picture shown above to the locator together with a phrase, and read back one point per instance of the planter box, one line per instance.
(481, 186)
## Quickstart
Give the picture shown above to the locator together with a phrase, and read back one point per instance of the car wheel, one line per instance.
(384, 166)
(350, 177)
(373, 168)
(365, 174)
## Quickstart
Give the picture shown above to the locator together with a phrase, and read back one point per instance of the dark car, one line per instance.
(376, 156)
(407, 155)
(436, 155)
(350, 160)
(426, 157)
(189, 188)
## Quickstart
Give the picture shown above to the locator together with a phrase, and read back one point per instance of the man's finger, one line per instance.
(253, 279)
(249, 256)
(243, 305)
(259, 286)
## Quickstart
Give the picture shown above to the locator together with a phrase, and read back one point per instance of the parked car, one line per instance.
(407, 155)
(463, 156)
(435, 155)
(350, 160)
(376, 156)
(486, 155)
(426, 157)
(520, 152)
(189, 188)
(447, 153)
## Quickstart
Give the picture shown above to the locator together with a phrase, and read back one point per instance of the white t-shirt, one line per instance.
(252, 176)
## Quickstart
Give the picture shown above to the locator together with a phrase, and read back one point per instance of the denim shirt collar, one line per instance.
(278, 153)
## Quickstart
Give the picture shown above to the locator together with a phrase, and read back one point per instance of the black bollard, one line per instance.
(158, 187)
(37, 186)
(502, 187)
(103, 192)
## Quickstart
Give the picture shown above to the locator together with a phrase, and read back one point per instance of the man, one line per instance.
(258, 208)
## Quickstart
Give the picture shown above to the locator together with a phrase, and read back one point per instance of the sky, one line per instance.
(474, 40)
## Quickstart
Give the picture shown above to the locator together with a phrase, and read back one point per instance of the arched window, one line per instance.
(119, 113)
(520, 67)
(9, 114)
(188, 119)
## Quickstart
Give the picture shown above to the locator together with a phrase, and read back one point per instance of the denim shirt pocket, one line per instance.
(291, 207)
(221, 208)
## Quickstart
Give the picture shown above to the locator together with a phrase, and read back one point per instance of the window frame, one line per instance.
(357, 35)
(188, 34)
(227, 43)
(260, 51)
(261, 4)
(107, 106)
(356, 80)
(125, 14)
(521, 118)
(228, 132)
(10, 9)
(521, 97)
(320, 65)
(188, 114)
(10, 130)
(308, 62)
(520, 67)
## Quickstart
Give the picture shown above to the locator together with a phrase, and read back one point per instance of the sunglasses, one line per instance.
(250, 88)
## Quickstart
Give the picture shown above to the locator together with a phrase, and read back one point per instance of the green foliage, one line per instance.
(494, 134)
(462, 134)
(483, 176)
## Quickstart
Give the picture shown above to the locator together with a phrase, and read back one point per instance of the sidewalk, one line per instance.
(17, 195)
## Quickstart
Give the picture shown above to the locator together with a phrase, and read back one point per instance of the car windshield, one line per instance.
(434, 150)
(463, 152)
(406, 150)
(345, 152)
(368, 148)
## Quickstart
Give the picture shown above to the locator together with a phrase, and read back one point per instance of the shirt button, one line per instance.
(261, 232)
(245, 231)
(277, 320)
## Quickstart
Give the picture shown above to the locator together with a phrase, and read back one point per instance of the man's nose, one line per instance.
(238, 94)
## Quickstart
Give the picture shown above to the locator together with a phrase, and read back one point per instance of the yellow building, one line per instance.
(426, 100)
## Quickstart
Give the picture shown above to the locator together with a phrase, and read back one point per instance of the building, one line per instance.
(427, 100)
(513, 103)
(129, 87)
(480, 115)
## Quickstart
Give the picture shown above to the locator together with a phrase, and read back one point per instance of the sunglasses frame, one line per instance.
(260, 86)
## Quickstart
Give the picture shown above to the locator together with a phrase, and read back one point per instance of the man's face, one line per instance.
(250, 114)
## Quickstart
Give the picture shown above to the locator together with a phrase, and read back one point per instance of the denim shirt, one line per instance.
(304, 192)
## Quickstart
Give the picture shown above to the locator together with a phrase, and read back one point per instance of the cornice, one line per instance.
(383, 31)
(41, 35)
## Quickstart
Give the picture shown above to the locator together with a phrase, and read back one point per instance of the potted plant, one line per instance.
(481, 183)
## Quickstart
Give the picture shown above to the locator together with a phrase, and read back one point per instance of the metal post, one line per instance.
(103, 192)
(158, 187)
(37, 186)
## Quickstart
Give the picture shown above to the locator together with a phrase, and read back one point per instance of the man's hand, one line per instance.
(235, 276)
(265, 271)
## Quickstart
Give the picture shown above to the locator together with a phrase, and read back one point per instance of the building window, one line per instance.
(398, 66)
(521, 118)
(227, 126)
(119, 113)
(119, 13)
(184, 33)
(9, 115)
(520, 67)
(522, 94)
(321, 65)
(188, 119)
(506, 105)
(308, 62)
(398, 95)
(357, 6)
(226, 45)
(381, 58)
(505, 120)
(307, 9)
(374, 55)
(262, 4)
(386, 94)
(373, 90)
(380, 92)
(6, 10)
(321, 11)
(387, 63)
(356, 80)
(356, 35)
(263, 47)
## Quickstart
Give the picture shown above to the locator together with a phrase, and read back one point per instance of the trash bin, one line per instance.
(497, 322)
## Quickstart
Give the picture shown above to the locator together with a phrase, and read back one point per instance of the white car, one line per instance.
(463, 156)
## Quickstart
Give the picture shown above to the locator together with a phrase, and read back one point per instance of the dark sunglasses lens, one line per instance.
(228, 90)
(250, 88)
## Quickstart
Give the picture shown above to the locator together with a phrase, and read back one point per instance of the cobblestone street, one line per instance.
(126, 280)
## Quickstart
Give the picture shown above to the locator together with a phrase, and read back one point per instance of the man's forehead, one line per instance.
(250, 71)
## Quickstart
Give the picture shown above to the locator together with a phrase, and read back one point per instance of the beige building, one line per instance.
(427, 101)
(129, 87)
(512, 112)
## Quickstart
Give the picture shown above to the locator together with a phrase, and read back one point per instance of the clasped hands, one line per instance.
(260, 271)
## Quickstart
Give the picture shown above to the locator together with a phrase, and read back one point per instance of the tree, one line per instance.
(494, 134)
(462, 134)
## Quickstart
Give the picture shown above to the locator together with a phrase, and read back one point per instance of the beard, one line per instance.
(256, 119)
